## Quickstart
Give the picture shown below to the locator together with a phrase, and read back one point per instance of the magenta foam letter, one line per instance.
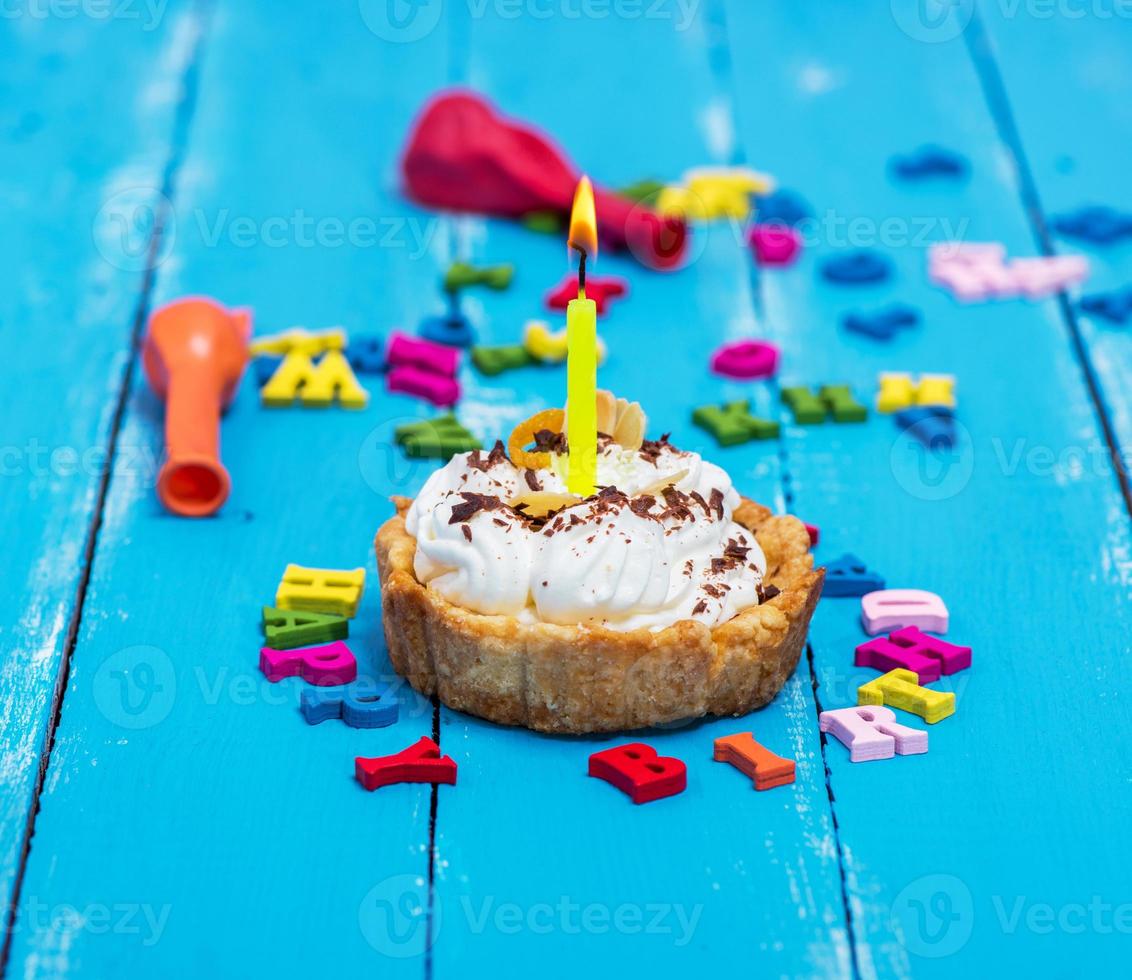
(436, 388)
(423, 354)
(774, 244)
(325, 665)
(746, 359)
(909, 649)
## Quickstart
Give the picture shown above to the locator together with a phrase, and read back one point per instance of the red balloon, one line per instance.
(463, 156)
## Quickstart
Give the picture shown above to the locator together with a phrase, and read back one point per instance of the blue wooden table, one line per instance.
(167, 813)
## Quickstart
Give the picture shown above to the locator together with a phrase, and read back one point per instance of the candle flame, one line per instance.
(583, 221)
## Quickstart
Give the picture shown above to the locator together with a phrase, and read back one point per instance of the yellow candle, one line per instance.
(581, 352)
(581, 395)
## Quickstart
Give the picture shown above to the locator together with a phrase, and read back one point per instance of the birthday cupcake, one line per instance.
(662, 596)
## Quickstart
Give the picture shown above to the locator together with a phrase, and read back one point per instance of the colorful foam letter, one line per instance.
(438, 438)
(301, 340)
(746, 359)
(442, 391)
(333, 378)
(842, 405)
(452, 329)
(601, 289)
(807, 408)
(897, 392)
(936, 390)
(506, 357)
(1115, 306)
(848, 576)
(360, 705)
(911, 650)
(901, 689)
(929, 161)
(733, 423)
(367, 354)
(639, 772)
(781, 208)
(882, 324)
(774, 244)
(419, 763)
(423, 354)
(872, 733)
(1097, 224)
(763, 766)
(461, 275)
(285, 629)
(933, 425)
(719, 192)
(326, 666)
(315, 386)
(547, 346)
(327, 590)
(855, 268)
(889, 609)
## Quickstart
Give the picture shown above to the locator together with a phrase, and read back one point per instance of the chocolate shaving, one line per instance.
(651, 449)
(472, 505)
(695, 495)
(699, 607)
(642, 505)
(677, 504)
(717, 502)
(498, 454)
(532, 479)
(549, 442)
(766, 593)
(467, 532)
(736, 551)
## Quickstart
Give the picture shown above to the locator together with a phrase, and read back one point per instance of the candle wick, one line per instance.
(581, 270)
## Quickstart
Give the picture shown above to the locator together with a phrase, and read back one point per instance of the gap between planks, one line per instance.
(981, 50)
(719, 59)
(200, 18)
(459, 61)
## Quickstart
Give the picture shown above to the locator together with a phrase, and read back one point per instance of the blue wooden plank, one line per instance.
(81, 177)
(535, 861)
(1068, 131)
(191, 822)
(983, 852)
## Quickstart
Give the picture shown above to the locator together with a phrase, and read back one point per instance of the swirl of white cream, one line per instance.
(609, 566)
(482, 563)
(619, 568)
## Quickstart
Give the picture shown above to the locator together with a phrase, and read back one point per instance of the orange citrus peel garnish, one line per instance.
(552, 419)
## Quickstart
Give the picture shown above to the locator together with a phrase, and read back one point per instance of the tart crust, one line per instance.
(579, 679)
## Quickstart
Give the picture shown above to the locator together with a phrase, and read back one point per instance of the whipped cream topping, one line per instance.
(620, 559)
